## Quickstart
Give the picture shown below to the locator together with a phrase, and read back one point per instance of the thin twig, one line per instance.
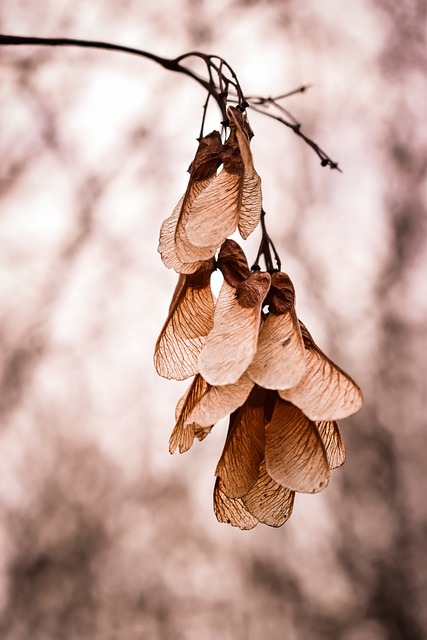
(325, 160)
(265, 248)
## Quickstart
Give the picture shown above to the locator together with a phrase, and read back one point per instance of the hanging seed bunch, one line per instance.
(248, 354)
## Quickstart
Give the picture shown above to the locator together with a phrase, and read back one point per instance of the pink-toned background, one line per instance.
(104, 535)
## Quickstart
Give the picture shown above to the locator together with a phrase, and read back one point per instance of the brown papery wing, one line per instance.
(182, 437)
(241, 132)
(279, 362)
(183, 434)
(175, 248)
(232, 343)
(268, 501)
(168, 248)
(250, 196)
(250, 205)
(325, 392)
(243, 451)
(333, 443)
(185, 251)
(214, 213)
(294, 453)
(189, 321)
(218, 402)
(231, 510)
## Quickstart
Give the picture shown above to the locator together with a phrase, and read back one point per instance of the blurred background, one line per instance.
(103, 534)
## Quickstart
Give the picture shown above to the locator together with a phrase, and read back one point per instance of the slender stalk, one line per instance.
(266, 247)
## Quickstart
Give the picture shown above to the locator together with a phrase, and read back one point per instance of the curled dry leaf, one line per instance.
(218, 402)
(231, 344)
(294, 453)
(325, 392)
(233, 198)
(243, 451)
(189, 321)
(333, 443)
(231, 510)
(268, 501)
(279, 362)
(183, 434)
(175, 248)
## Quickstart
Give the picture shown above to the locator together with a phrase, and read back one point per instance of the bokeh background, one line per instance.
(103, 534)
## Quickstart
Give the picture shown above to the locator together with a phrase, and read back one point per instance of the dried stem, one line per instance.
(266, 247)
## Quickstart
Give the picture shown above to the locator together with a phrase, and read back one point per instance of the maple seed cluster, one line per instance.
(250, 356)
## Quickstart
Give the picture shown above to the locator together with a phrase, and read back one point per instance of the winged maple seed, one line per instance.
(280, 360)
(175, 248)
(270, 347)
(231, 345)
(213, 206)
(254, 360)
(233, 199)
(189, 321)
(325, 392)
